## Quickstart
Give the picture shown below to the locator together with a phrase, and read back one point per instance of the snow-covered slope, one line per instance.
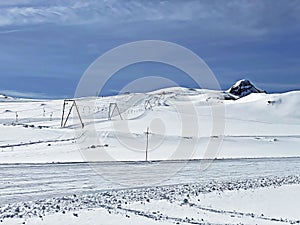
(5, 98)
(258, 125)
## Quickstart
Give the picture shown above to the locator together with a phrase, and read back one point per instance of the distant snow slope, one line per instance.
(257, 125)
(5, 97)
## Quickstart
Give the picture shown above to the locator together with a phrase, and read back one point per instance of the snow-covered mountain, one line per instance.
(243, 88)
(256, 125)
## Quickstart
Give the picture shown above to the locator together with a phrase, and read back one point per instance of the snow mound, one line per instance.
(192, 94)
(243, 88)
(5, 98)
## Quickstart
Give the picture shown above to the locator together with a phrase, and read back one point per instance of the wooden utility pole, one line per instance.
(147, 143)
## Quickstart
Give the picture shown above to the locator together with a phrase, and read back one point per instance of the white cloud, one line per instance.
(225, 19)
(31, 15)
(24, 94)
(9, 31)
(253, 14)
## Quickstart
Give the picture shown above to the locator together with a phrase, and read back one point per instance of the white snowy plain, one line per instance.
(270, 200)
(181, 123)
(258, 204)
(255, 126)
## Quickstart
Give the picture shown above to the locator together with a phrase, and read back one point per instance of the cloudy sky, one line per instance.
(45, 46)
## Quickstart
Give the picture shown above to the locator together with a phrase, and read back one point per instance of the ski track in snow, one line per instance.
(23, 182)
(124, 202)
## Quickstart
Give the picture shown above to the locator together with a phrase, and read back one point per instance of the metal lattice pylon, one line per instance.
(148, 105)
(112, 108)
(74, 105)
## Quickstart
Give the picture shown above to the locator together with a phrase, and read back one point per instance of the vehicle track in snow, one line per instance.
(24, 182)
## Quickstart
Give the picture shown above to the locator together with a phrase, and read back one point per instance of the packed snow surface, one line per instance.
(269, 200)
(25, 182)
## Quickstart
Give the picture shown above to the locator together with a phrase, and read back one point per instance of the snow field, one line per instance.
(258, 125)
(211, 203)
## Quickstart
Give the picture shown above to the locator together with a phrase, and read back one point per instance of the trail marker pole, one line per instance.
(147, 143)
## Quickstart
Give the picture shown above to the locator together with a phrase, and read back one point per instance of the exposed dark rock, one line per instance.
(243, 88)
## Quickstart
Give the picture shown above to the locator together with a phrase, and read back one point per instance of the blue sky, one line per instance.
(45, 46)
